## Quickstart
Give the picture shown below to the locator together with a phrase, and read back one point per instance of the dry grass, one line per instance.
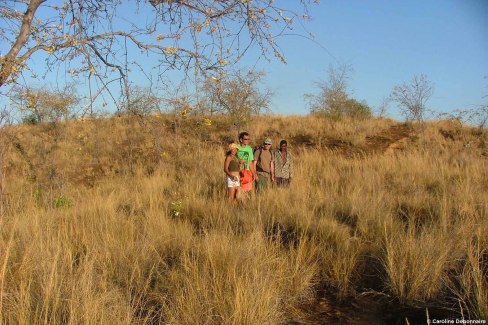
(124, 221)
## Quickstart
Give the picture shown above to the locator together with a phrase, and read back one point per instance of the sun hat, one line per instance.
(267, 141)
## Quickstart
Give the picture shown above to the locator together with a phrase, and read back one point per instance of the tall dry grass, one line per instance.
(124, 221)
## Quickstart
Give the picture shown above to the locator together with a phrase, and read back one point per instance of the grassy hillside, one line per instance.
(123, 220)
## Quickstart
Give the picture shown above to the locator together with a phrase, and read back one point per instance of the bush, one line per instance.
(29, 119)
(62, 202)
(333, 99)
(44, 105)
(349, 108)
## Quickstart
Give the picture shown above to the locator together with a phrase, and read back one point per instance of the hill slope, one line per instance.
(124, 220)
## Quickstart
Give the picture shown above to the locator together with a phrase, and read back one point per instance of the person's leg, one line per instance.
(232, 186)
(286, 182)
(279, 181)
(237, 195)
(266, 181)
(258, 183)
(232, 195)
(263, 182)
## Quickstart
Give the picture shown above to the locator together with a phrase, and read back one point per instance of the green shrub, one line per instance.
(62, 202)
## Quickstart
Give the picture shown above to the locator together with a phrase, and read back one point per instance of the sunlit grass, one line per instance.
(116, 221)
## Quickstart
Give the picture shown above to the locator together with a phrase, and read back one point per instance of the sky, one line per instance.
(386, 43)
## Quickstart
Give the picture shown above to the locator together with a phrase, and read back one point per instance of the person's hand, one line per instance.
(256, 177)
(235, 178)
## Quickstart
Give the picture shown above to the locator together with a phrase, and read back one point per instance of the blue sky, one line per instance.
(387, 43)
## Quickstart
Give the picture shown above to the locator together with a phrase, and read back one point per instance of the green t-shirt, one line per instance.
(246, 154)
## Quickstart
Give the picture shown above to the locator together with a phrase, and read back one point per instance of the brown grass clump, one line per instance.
(124, 220)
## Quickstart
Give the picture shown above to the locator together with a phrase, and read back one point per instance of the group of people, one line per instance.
(249, 168)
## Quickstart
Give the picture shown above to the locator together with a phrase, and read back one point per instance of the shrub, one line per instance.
(44, 105)
(333, 99)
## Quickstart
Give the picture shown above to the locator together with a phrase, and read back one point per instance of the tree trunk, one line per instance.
(10, 61)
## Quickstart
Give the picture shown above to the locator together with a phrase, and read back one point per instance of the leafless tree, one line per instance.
(5, 121)
(477, 115)
(412, 97)
(238, 94)
(333, 92)
(333, 98)
(383, 107)
(483, 112)
(43, 104)
(143, 101)
(97, 39)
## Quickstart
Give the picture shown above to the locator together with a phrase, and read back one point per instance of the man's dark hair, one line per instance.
(242, 135)
(283, 142)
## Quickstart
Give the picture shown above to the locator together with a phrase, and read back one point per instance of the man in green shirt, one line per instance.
(246, 158)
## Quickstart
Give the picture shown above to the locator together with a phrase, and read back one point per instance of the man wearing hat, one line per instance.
(264, 165)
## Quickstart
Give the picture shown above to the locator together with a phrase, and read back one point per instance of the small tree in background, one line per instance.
(180, 105)
(483, 112)
(412, 97)
(142, 101)
(5, 120)
(383, 107)
(334, 99)
(44, 105)
(238, 95)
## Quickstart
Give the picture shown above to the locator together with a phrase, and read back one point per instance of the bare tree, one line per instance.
(143, 101)
(44, 105)
(483, 112)
(333, 92)
(412, 97)
(333, 98)
(479, 115)
(383, 107)
(97, 38)
(5, 121)
(238, 95)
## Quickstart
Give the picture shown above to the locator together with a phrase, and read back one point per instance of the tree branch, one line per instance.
(9, 62)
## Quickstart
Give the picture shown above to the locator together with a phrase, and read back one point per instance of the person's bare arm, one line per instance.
(252, 165)
(272, 171)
